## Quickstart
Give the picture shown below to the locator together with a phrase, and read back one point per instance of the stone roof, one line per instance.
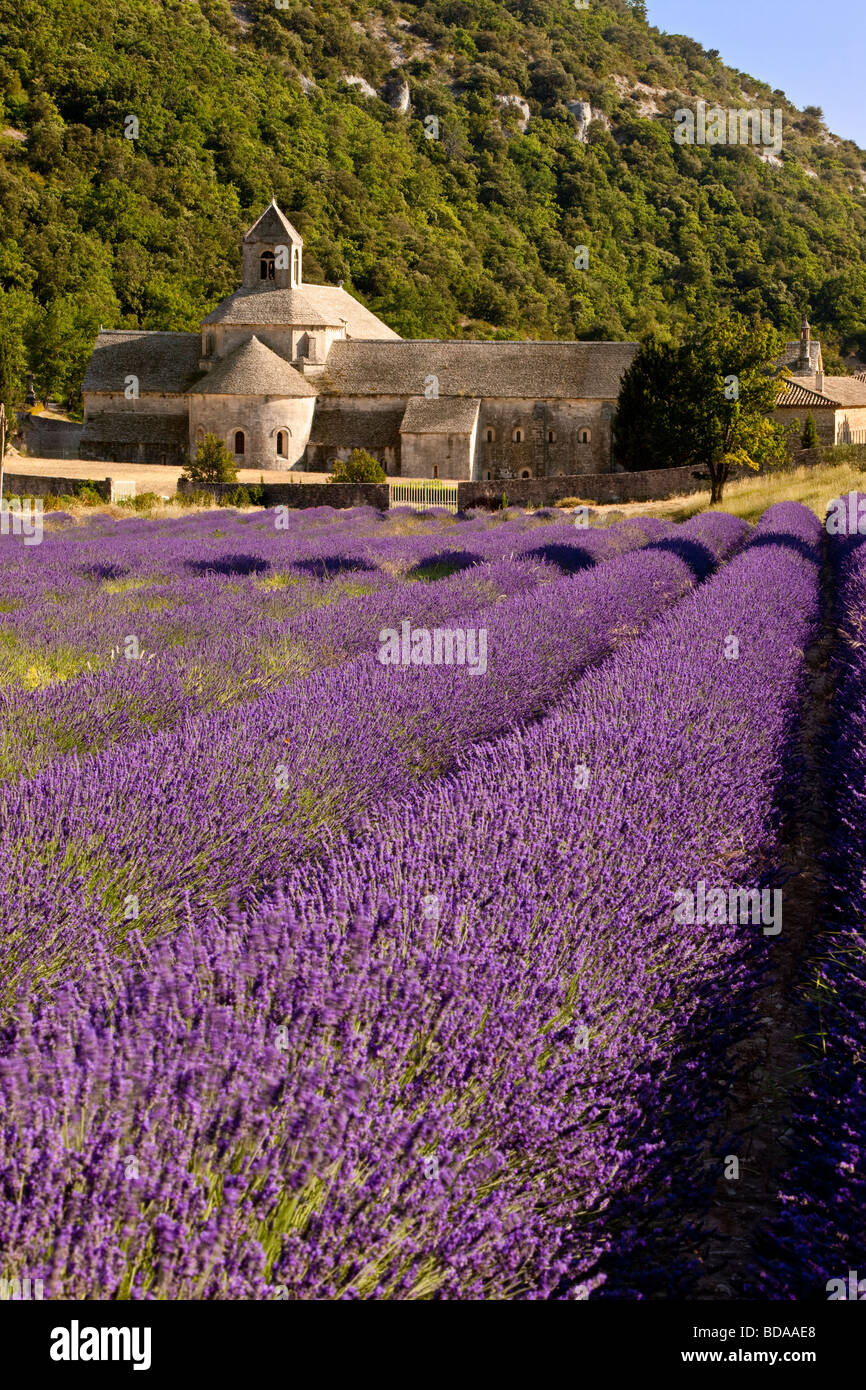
(796, 394)
(356, 428)
(252, 370)
(791, 356)
(135, 427)
(273, 226)
(442, 415)
(311, 306)
(520, 370)
(162, 362)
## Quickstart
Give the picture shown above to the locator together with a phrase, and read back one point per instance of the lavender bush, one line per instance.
(446, 1057)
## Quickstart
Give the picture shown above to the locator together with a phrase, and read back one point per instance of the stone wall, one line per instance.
(33, 485)
(260, 419)
(450, 455)
(652, 485)
(302, 494)
(47, 438)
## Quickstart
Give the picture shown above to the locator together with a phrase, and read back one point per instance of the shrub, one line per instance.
(212, 463)
(359, 467)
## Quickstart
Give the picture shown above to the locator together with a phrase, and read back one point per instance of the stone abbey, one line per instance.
(293, 376)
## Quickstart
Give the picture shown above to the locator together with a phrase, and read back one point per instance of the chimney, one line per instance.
(805, 361)
(819, 382)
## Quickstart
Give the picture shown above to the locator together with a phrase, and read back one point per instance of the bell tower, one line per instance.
(272, 253)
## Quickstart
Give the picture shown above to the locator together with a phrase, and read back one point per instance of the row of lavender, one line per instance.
(440, 1057)
(816, 1249)
(208, 811)
(107, 651)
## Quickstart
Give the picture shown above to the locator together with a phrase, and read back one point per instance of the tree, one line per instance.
(706, 401)
(810, 433)
(212, 463)
(359, 467)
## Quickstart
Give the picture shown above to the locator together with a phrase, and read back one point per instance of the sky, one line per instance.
(814, 52)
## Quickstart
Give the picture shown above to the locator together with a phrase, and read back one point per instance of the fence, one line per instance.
(417, 492)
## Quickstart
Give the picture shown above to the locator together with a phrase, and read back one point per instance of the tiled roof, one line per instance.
(847, 390)
(311, 306)
(796, 394)
(442, 415)
(273, 226)
(520, 370)
(252, 370)
(162, 362)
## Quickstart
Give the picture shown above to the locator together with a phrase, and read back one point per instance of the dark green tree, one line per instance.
(707, 401)
(810, 433)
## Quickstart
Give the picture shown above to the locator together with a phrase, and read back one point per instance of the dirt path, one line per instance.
(769, 1062)
(147, 477)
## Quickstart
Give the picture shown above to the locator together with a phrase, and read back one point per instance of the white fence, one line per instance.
(121, 489)
(848, 436)
(422, 492)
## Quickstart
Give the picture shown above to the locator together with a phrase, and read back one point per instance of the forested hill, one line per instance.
(471, 234)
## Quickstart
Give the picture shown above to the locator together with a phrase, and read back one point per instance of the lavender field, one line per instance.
(388, 902)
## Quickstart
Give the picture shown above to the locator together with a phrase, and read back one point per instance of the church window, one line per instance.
(267, 266)
(517, 436)
(489, 475)
(526, 473)
(296, 266)
(283, 443)
(435, 470)
(584, 437)
(240, 442)
(489, 436)
(551, 436)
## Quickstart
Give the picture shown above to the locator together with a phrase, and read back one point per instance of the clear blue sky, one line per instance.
(812, 50)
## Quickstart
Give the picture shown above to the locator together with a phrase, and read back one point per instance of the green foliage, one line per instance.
(359, 467)
(809, 438)
(212, 463)
(468, 235)
(706, 400)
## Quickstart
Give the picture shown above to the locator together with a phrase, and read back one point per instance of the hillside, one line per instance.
(468, 234)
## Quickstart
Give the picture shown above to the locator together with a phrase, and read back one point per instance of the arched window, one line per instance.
(489, 436)
(296, 266)
(435, 470)
(551, 436)
(240, 442)
(526, 473)
(266, 266)
(584, 437)
(283, 444)
(517, 436)
(489, 475)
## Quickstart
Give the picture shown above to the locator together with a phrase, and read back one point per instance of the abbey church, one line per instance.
(294, 376)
